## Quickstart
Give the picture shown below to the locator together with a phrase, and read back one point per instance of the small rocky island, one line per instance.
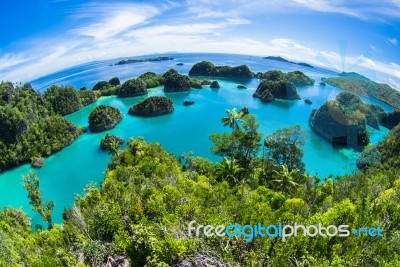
(175, 82)
(277, 84)
(152, 106)
(214, 85)
(188, 102)
(344, 121)
(267, 91)
(37, 162)
(111, 142)
(206, 68)
(132, 88)
(103, 118)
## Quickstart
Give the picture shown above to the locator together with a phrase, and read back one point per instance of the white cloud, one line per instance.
(111, 20)
(362, 9)
(106, 31)
(9, 60)
(393, 41)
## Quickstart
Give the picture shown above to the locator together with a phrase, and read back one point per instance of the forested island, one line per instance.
(111, 142)
(207, 68)
(366, 87)
(31, 125)
(277, 84)
(152, 106)
(344, 121)
(132, 88)
(103, 118)
(175, 82)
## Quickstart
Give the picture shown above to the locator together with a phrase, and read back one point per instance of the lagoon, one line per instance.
(67, 172)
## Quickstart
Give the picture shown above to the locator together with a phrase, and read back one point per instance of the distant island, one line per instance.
(366, 87)
(131, 61)
(352, 74)
(281, 59)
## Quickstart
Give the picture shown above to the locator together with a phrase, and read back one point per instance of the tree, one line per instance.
(243, 143)
(31, 184)
(233, 119)
(285, 179)
(284, 147)
(228, 170)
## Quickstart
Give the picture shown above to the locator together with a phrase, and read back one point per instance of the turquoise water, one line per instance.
(67, 172)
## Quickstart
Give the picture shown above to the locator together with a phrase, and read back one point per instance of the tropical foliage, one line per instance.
(132, 87)
(140, 215)
(30, 127)
(103, 118)
(206, 68)
(152, 106)
(368, 88)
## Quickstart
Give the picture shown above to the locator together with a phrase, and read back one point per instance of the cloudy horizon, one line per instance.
(42, 38)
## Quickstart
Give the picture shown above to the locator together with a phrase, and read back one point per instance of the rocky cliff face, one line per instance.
(175, 82)
(267, 91)
(344, 121)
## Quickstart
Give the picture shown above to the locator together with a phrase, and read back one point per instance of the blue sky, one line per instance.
(39, 37)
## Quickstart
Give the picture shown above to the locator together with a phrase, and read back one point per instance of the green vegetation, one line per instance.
(277, 84)
(206, 68)
(215, 85)
(389, 149)
(298, 78)
(343, 121)
(66, 100)
(195, 83)
(29, 125)
(140, 213)
(384, 155)
(284, 147)
(152, 106)
(132, 87)
(111, 143)
(175, 82)
(114, 81)
(101, 85)
(104, 88)
(391, 119)
(87, 97)
(151, 79)
(31, 184)
(267, 91)
(366, 87)
(103, 118)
